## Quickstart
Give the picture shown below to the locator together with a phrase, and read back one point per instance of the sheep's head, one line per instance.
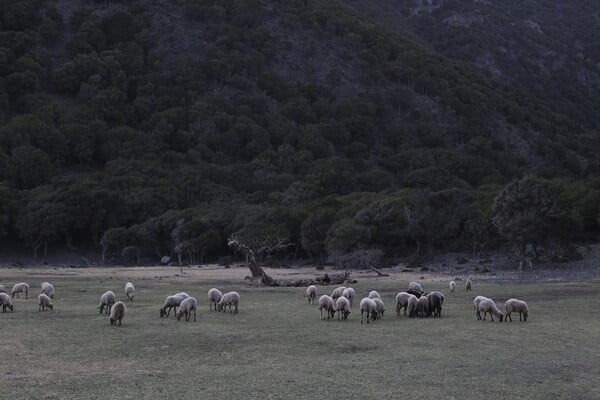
(179, 314)
(501, 317)
(12, 308)
(374, 315)
(50, 306)
(162, 312)
(525, 316)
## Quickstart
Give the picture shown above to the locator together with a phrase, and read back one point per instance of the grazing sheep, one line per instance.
(469, 284)
(380, 307)
(402, 302)
(436, 300)
(516, 305)
(20, 288)
(47, 289)
(44, 302)
(2, 289)
(423, 306)
(6, 302)
(337, 292)
(214, 296)
(172, 302)
(229, 299)
(415, 286)
(350, 294)
(368, 305)
(452, 286)
(342, 307)
(326, 303)
(117, 312)
(311, 293)
(129, 291)
(488, 306)
(107, 300)
(188, 306)
(413, 305)
(476, 302)
(374, 294)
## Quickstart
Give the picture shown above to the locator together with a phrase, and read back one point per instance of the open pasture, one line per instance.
(278, 348)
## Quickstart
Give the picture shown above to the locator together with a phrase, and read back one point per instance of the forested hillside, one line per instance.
(166, 127)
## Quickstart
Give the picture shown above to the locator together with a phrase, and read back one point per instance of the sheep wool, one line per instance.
(311, 293)
(368, 306)
(20, 288)
(47, 289)
(188, 306)
(516, 305)
(44, 302)
(342, 306)
(326, 304)
(350, 294)
(488, 306)
(214, 296)
(117, 312)
(129, 291)
(6, 302)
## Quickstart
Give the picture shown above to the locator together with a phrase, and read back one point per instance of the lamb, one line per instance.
(326, 303)
(117, 312)
(423, 306)
(436, 300)
(311, 293)
(488, 306)
(342, 307)
(476, 302)
(368, 305)
(452, 286)
(380, 307)
(469, 284)
(214, 296)
(47, 289)
(349, 293)
(402, 301)
(229, 299)
(374, 294)
(516, 305)
(337, 292)
(20, 288)
(172, 302)
(107, 300)
(415, 286)
(129, 291)
(44, 302)
(413, 305)
(188, 306)
(6, 302)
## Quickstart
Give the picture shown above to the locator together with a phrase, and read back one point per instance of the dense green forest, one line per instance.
(167, 127)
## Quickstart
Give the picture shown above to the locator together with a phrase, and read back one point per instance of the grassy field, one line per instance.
(277, 348)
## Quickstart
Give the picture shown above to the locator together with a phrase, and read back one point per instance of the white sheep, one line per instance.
(488, 306)
(452, 286)
(44, 302)
(311, 293)
(476, 302)
(117, 312)
(129, 291)
(171, 303)
(374, 294)
(469, 284)
(380, 307)
(327, 304)
(107, 300)
(423, 306)
(6, 302)
(342, 306)
(516, 305)
(229, 299)
(413, 305)
(188, 306)
(416, 287)
(47, 289)
(368, 305)
(337, 292)
(2, 289)
(402, 302)
(350, 294)
(214, 296)
(20, 288)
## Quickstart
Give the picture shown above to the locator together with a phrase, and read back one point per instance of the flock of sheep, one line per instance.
(117, 309)
(414, 301)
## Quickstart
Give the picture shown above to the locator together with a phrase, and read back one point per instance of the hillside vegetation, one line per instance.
(164, 127)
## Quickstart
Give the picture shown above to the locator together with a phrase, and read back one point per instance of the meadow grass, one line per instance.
(278, 348)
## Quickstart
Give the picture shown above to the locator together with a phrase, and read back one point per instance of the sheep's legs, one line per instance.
(508, 316)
